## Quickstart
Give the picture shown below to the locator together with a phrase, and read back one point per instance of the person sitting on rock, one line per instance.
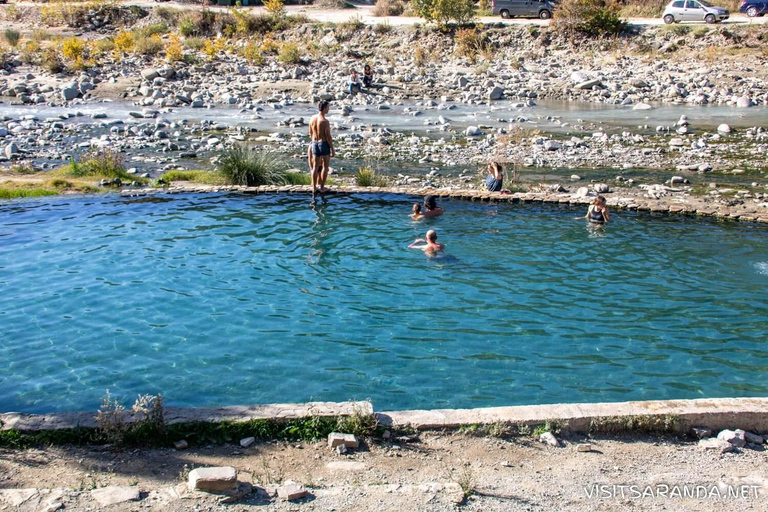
(367, 76)
(354, 83)
(431, 206)
(597, 211)
(416, 215)
(430, 243)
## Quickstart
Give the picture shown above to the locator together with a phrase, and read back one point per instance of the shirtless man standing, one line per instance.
(320, 147)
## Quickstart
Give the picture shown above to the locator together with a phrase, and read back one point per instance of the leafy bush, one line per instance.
(388, 8)
(12, 36)
(289, 54)
(187, 27)
(275, 8)
(252, 53)
(367, 177)
(211, 47)
(442, 12)
(595, 18)
(73, 48)
(174, 52)
(242, 166)
(124, 43)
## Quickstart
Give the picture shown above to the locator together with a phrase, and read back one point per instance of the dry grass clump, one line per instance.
(471, 44)
(388, 8)
(289, 54)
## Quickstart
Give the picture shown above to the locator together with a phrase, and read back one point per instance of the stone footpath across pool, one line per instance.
(715, 413)
(694, 206)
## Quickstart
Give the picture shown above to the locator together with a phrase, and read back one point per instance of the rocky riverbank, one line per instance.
(468, 97)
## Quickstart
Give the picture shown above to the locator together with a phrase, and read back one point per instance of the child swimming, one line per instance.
(416, 215)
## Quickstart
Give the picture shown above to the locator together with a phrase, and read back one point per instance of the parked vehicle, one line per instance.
(525, 8)
(693, 10)
(754, 8)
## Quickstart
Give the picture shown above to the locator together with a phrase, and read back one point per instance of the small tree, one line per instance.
(443, 12)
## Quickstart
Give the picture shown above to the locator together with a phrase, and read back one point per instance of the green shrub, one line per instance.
(98, 163)
(252, 53)
(595, 18)
(187, 27)
(367, 177)
(442, 12)
(289, 54)
(242, 166)
(12, 36)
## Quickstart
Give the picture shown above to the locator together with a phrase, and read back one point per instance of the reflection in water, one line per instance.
(320, 231)
(596, 229)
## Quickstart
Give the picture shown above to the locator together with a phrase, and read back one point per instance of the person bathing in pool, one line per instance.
(430, 246)
(432, 210)
(417, 215)
(597, 211)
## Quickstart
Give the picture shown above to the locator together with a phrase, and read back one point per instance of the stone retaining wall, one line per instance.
(745, 213)
(716, 414)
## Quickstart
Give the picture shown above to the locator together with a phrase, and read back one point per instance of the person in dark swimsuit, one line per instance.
(495, 178)
(597, 211)
(320, 148)
(432, 210)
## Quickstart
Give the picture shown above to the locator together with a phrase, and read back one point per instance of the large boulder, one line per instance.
(70, 92)
(496, 93)
(473, 131)
(149, 74)
(214, 479)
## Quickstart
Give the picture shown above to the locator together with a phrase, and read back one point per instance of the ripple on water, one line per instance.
(224, 299)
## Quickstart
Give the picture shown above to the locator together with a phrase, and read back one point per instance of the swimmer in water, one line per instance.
(597, 211)
(432, 210)
(430, 243)
(416, 215)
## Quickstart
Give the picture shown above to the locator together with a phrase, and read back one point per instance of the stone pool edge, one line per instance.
(640, 204)
(714, 413)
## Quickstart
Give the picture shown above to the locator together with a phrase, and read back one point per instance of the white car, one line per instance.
(693, 10)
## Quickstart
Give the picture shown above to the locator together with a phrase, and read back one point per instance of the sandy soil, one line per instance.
(404, 474)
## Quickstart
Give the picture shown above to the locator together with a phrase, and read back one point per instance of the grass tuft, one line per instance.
(206, 177)
(242, 166)
(367, 177)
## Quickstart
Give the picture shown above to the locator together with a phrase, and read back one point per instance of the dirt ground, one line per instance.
(425, 473)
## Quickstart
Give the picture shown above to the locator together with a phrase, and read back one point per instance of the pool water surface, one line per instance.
(232, 299)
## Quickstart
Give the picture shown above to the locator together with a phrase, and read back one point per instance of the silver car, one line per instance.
(693, 10)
